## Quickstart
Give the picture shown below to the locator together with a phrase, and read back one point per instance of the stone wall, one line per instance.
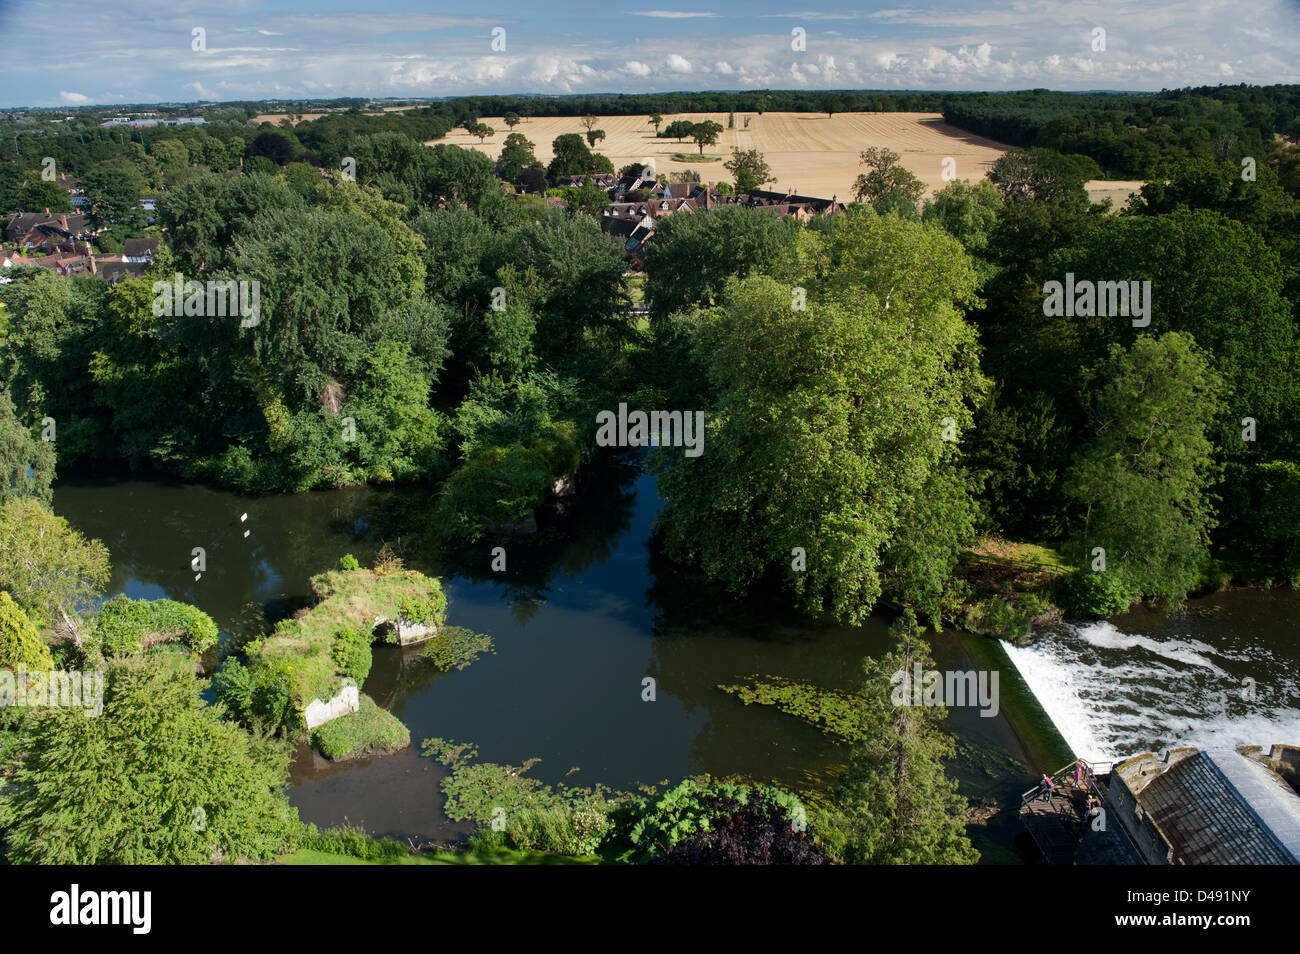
(319, 712)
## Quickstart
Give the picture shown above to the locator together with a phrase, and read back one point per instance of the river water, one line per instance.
(586, 611)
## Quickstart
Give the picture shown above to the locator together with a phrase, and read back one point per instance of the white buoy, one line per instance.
(246, 533)
(243, 518)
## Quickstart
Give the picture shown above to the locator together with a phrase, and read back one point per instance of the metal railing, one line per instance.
(1090, 770)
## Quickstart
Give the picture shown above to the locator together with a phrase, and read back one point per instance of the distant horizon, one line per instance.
(209, 103)
(134, 53)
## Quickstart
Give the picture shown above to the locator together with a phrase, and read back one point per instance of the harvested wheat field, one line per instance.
(808, 152)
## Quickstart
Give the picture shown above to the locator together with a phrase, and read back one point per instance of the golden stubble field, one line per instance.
(808, 152)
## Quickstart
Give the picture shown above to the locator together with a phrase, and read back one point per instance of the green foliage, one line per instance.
(1144, 479)
(456, 647)
(156, 779)
(124, 626)
(48, 568)
(886, 184)
(894, 804)
(353, 842)
(825, 429)
(688, 809)
(348, 562)
(26, 464)
(832, 711)
(368, 731)
(1089, 593)
(20, 644)
(352, 654)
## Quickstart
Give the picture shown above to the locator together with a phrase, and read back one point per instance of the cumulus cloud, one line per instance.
(1014, 44)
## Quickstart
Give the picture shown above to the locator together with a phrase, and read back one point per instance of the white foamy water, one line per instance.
(1114, 694)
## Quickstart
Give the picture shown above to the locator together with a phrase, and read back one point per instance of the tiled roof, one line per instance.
(1204, 818)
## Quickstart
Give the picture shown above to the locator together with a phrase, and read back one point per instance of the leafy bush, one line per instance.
(125, 626)
(431, 610)
(19, 642)
(571, 829)
(348, 562)
(1096, 594)
(689, 809)
(260, 694)
(759, 831)
(128, 786)
(352, 654)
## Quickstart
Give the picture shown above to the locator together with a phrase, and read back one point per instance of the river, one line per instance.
(585, 612)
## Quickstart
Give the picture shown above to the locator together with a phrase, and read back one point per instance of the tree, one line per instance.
(114, 190)
(50, 569)
(886, 181)
(157, 778)
(825, 425)
(20, 644)
(38, 195)
(967, 212)
(678, 129)
(706, 133)
(894, 803)
(1043, 175)
(1143, 481)
(273, 146)
(594, 136)
(693, 256)
(26, 464)
(516, 156)
(656, 119)
(573, 157)
(749, 169)
(482, 130)
(511, 119)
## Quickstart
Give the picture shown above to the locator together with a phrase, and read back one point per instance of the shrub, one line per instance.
(260, 694)
(759, 831)
(348, 562)
(688, 810)
(125, 626)
(572, 829)
(1088, 593)
(19, 642)
(352, 654)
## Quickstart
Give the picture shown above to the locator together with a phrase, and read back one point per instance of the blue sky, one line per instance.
(76, 53)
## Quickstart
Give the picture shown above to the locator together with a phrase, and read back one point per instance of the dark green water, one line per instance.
(584, 613)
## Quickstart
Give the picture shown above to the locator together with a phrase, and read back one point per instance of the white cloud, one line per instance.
(76, 99)
(678, 63)
(637, 68)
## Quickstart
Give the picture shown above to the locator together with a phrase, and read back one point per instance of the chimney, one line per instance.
(708, 197)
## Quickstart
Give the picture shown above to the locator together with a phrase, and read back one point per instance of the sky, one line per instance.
(140, 51)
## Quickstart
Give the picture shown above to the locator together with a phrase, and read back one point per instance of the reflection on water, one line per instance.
(584, 612)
